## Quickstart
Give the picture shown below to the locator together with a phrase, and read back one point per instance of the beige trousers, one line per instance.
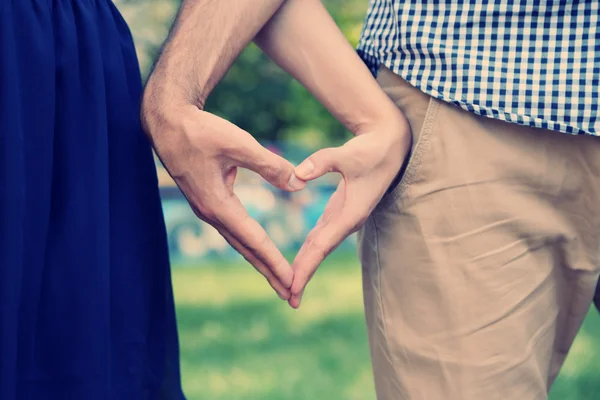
(480, 265)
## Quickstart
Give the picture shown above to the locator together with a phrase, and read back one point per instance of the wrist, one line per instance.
(383, 121)
(164, 113)
(168, 85)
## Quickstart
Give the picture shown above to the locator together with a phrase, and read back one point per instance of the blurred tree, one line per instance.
(255, 94)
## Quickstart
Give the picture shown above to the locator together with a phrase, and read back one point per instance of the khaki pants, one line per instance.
(481, 264)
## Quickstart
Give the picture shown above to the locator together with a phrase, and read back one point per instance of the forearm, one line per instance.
(305, 41)
(206, 38)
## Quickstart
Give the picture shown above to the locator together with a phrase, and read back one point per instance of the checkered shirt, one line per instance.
(530, 62)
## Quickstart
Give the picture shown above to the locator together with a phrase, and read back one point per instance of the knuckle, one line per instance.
(299, 283)
(201, 209)
(221, 212)
(300, 279)
(223, 146)
(207, 215)
(303, 276)
(274, 172)
(258, 244)
(318, 247)
(207, 210)
(239, 213)
(310, 239)
(262, 239)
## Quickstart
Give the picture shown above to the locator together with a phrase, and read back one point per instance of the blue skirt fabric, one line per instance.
(86, 304)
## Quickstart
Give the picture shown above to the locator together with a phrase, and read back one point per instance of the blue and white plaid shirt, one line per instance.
(531, 62)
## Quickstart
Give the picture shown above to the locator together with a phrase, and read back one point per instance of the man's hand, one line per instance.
(202, 153)
(368, 163)
(304, 40)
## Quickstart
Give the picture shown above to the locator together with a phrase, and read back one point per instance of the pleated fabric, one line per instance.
(86, 304)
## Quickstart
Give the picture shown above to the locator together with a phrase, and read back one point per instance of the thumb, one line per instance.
(274, 169)
(320, 163)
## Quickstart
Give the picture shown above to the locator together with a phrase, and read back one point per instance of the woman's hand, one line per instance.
(368, 164)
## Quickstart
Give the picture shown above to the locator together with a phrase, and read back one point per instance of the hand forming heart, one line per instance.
(202, 153)
(368, 163)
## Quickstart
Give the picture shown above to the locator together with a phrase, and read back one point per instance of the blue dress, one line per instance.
(86, 304)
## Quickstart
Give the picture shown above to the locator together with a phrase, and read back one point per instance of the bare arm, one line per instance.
(202, 151)
(206, 38)
(301, 37)
(305, 41)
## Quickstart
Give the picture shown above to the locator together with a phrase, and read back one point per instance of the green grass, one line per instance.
(240, 341)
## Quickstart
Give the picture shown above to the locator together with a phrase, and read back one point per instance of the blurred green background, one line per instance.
(238, 340)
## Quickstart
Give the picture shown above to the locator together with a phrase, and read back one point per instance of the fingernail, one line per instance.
(295, 183)
(305, 169)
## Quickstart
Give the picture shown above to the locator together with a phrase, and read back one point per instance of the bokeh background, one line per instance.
(238, 340)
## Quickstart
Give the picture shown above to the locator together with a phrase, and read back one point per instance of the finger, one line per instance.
(281, 290)
(234, 218)
(296, 299)
(243, 150)
(320, 163)
(331, 229)
(325, 239)
(273, 168)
